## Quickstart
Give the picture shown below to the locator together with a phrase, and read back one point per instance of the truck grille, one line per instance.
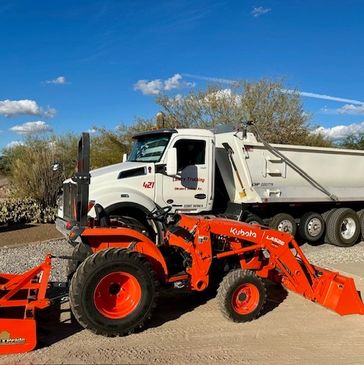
(69, 201)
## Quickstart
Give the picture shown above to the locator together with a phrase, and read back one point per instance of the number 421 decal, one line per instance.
(148, 184)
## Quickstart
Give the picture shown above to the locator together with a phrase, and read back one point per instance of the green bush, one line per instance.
(18, 211)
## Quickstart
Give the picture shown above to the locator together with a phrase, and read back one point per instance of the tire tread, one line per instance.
(224, 299)
(86, 268)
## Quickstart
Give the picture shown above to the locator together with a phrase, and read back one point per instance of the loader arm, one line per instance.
(287, 263)
(272, 254)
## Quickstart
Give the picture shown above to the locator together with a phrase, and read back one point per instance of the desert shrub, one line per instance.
(30, 167)
(31, 173)
(16, 211)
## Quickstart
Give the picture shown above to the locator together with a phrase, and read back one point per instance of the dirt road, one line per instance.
(188, 329)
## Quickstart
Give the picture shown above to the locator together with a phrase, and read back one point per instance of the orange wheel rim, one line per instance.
(245, 298)
(117, 295)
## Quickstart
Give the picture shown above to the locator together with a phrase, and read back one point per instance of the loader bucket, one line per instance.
(17, 335)
(337, 292)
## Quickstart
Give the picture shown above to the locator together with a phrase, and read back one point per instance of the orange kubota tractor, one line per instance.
(113, 290)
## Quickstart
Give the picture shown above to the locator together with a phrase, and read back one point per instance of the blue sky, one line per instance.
(70, 65)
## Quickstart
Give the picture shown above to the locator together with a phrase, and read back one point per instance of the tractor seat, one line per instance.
(102, 217)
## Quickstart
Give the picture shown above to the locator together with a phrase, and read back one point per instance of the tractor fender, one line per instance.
(101, 238)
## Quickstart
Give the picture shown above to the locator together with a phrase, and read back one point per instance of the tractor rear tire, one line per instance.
(241, 295)
(113, 292)
(79, 254)
(343, 227)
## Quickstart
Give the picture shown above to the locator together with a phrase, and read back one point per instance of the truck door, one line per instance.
(188, 191)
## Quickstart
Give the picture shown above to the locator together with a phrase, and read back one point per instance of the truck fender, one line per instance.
(101, 238)
(110, 197)
(130, 198)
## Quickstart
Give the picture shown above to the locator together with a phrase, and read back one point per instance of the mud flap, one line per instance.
(338, 293)
(17, 335)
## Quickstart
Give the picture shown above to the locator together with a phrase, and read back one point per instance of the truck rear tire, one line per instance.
(326, 215)
(241, 295)
(312, 226)
(284, 222)
(254, 219)
(113, 292)
(343, 227)
(361, 220)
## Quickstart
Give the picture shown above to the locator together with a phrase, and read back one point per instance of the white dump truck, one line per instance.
(316, 191)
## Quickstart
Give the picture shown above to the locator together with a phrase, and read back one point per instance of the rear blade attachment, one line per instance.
(20, 296)
(337, 292)
(17, 335)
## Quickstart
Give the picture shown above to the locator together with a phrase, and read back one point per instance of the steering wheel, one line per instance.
(160, 213)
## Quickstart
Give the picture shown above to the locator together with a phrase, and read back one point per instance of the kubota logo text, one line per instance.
(243, 233)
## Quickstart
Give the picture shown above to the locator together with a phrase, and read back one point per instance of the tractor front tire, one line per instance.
(113, 292)
(241, 295)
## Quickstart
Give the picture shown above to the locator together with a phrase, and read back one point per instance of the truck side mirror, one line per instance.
(125, 157)
(171, 168)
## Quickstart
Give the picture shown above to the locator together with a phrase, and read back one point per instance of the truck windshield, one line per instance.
(149, 148)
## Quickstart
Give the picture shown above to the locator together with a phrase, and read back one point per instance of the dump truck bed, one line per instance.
(268, 178)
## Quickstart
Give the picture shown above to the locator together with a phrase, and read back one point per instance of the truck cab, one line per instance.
(165, 167)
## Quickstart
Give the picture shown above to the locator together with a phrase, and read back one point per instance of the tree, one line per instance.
(278, 114)
(353, 141)
(107, 147)
(31, 173)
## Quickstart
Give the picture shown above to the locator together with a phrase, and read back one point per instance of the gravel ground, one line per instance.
(190, 328)
(20, 258)
(23, 257)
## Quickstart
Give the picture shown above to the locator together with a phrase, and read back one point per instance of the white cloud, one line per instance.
(351, 109)
(322, 96)
(14, 144)
(258, 11)
(92, 130)
(32, 128)
(212, 79)
(49, 112)
(341, 131)
(10, 108)
(155, 87)
(60, 80)
(302, 93)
